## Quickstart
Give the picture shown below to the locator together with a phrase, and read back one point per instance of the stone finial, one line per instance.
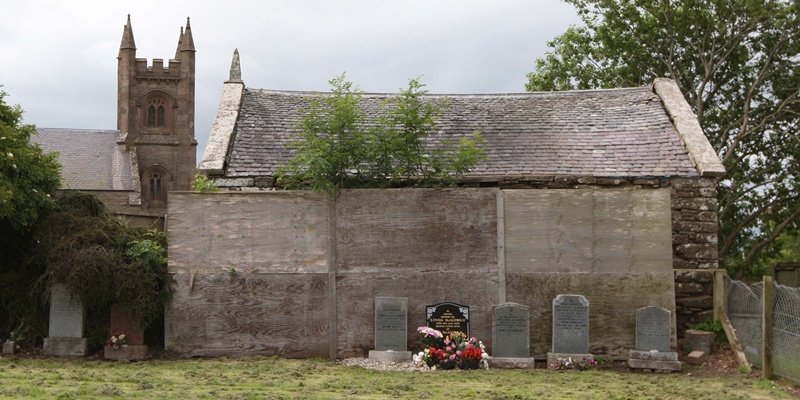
(187, 42)
(180, 41)
(127, 36)
(236, 69)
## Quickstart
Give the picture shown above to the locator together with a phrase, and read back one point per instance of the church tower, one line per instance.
(155, 116)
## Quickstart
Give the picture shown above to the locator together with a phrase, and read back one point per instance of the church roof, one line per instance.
(611, 133)
(90, 159)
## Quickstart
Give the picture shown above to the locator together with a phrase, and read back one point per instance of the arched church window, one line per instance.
(157, 113)
(156, 181)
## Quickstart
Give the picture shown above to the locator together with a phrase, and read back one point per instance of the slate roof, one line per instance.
(609, 133)
(90, 159)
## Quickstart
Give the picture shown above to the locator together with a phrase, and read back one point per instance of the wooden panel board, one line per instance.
(614, 299)
(416, 230)
(356, 303)
(254, 314)
(588, 230)
(279, 232)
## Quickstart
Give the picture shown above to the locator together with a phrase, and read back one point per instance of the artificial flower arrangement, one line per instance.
(116, 341)
(447, 352)
(569, 363)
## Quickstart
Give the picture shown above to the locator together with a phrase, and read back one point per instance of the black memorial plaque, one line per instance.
(448, 318)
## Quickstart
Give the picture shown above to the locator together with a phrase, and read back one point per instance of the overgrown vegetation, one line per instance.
(738, 64)
(102, 261)
(338, 147)
(201, 183)
(710, 325)
(273, 378)
(28, 181)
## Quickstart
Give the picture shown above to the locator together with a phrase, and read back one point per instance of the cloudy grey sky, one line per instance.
(59, 57)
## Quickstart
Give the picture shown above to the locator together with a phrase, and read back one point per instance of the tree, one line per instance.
(28, 177)
(102, 261)
(738, 65)
(340, 146)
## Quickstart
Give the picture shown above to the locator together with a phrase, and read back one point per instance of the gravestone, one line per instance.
(653, 337)
(391, 330)
(653, 329)
(448, 318)
(511, 337)
(511, 331)
(123, 322)
(570, 324)
(65, 336)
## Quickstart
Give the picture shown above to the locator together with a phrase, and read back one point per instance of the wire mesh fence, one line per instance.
(744, 311)
(786, 333)
(745, 308)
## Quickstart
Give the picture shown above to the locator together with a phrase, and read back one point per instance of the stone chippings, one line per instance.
(622, 132)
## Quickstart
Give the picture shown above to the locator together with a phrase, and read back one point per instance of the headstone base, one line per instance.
(389, 355)
(554, 357)
(9, 347)
(653, 355)
(131, 353)
(511, 363)
(654, 360)
(65, 346)
(698, 340)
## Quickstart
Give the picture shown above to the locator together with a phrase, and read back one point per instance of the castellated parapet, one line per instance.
(157, 69)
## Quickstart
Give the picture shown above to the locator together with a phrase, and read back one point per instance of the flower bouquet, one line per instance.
(430, 337)
(116, 340)
(470, 353)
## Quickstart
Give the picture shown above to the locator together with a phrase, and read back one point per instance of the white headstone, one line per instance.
(66, 314)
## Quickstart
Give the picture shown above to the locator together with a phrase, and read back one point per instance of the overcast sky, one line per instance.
(59, 57)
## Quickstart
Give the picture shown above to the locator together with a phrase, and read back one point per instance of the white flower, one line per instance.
(122, 337)
(10, 155)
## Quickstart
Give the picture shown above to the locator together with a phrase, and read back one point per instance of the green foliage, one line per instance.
(339, 147)
(710, 325)
(102, 261)
(738, 64)
(28, 177)
(200, 183)
(19, 334)
(788, 250)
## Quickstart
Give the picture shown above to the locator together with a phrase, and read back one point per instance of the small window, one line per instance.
(151, 116)
(155, 185)
(160, 116)
(156, 117)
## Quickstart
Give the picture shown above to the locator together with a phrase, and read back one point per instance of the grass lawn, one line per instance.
(275, 378)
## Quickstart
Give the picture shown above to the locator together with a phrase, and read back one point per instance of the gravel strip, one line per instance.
(366, 363)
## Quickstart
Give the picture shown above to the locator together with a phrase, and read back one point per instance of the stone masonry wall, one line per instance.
(694, 227)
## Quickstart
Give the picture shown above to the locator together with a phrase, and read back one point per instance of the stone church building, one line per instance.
(152, 151)
(609, 194)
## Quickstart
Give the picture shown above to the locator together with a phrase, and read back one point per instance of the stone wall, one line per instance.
(295, 274)
(694, 226)
(694, 242)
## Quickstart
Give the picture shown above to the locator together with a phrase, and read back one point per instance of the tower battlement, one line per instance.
(157, 70)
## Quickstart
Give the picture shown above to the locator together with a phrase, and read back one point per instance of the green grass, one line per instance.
(275, 378)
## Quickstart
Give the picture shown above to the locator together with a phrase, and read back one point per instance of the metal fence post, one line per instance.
(768, 300)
